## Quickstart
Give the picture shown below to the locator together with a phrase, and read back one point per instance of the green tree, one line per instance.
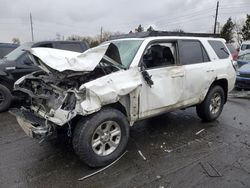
(227, 31)
(246, 29)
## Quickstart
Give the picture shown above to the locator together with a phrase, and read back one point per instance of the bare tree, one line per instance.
(16, 40)
(238, 24)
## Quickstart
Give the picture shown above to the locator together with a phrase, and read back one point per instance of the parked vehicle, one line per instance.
(234, 52)
(243, 77)
(6, 48)
(17, 64)
(99, 94)
(244, 46)
(244, 58)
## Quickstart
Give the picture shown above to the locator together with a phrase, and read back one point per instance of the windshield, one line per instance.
(127, 50)
(15, 54)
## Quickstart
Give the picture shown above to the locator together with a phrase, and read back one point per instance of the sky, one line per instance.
(86, 17)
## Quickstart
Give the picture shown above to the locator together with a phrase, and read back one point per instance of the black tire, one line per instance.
(203, 110)
(84, 133)
(5, 98)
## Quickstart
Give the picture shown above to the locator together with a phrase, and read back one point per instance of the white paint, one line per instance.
(62, 60)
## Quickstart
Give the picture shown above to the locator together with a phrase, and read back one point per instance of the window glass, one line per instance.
(5, 50)
(245, 46)
(205, 56)
(160, 54)
(18, 52)
(219, 48)
(191, 52)
(127, 50)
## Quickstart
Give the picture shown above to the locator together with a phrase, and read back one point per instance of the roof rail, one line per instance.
(162, 33)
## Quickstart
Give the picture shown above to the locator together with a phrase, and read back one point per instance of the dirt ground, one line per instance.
(180, 151)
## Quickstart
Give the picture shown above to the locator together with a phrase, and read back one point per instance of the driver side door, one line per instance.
(167, 76)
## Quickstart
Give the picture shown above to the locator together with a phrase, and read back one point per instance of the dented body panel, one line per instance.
(105, 82)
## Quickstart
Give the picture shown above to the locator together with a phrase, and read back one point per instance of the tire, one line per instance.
(211, 108)
(93, 141)
(5, 98)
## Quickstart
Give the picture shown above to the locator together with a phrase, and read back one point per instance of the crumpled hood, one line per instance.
(63, 60)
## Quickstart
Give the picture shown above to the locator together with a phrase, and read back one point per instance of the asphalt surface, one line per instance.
(218, 156)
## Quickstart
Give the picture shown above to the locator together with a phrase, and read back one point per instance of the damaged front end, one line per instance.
(54, 96)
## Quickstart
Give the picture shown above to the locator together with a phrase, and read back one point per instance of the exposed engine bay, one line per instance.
(52, 91)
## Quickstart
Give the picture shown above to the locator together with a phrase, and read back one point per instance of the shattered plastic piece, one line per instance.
(169, 150)
(197, 133)
(144, 158)
(158, 177)
(90, 175)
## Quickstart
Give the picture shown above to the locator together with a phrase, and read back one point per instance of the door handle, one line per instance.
(178, 75)
(210, 70)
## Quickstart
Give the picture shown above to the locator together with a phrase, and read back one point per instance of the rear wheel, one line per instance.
(101, 138)
(5, 98)
(211, 108)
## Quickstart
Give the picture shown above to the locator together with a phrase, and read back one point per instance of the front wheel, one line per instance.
(211, 108)
(101, 138)
(5, 98)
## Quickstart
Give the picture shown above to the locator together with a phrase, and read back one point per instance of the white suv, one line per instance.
(97, 95)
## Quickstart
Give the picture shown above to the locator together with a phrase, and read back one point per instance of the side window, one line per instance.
(191, 52)
(76, 47)
(219, 48)
(5, 50)
(160, 54)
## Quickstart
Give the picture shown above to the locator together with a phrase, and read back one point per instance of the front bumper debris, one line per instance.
(32, 125)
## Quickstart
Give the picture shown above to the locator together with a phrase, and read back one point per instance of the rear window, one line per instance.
(245, 47)
(219, 48)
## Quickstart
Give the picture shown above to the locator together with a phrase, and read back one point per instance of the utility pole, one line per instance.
(31, 27)
(216, 15)
(101, 35)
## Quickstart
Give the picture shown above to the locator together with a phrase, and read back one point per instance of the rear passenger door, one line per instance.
(198, 70)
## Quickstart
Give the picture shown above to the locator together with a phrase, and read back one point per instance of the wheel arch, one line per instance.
(224, 84)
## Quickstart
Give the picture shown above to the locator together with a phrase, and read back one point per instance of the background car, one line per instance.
(244, 46)
(243, 77)
(244, 58)
(17, 64)
(6, 48)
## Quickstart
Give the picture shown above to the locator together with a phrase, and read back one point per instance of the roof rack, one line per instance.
(162, 33)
